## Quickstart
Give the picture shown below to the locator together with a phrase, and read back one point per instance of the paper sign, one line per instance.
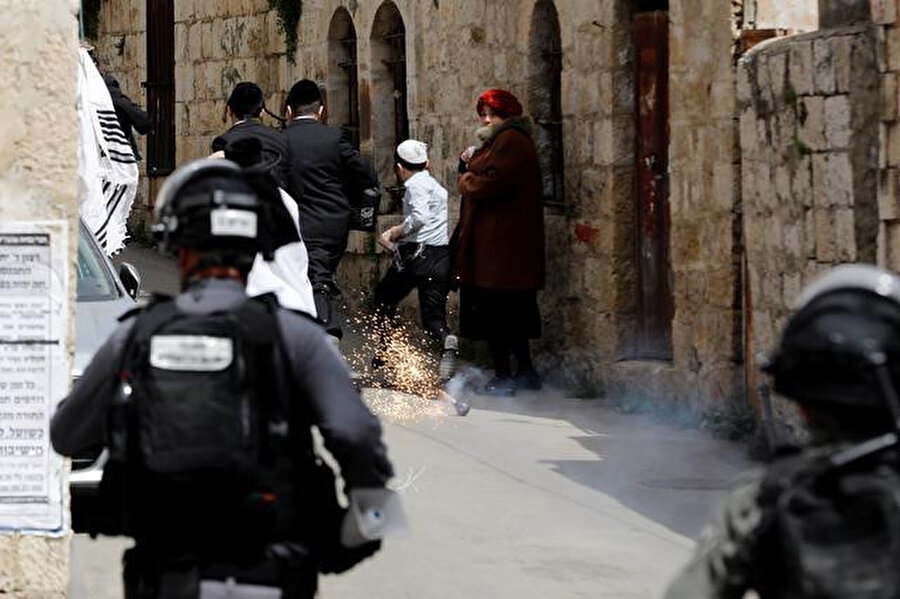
(34, 371)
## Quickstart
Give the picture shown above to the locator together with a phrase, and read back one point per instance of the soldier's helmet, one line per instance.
(843, 337)
(210, 205)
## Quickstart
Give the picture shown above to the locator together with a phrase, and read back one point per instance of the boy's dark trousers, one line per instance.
(426, 268)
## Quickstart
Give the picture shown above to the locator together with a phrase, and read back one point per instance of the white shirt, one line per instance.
(425, 211)
(286, 275)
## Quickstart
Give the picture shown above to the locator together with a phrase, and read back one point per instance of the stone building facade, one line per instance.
(38, 183)
(637, 109)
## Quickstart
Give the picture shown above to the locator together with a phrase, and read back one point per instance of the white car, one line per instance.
(102, 296)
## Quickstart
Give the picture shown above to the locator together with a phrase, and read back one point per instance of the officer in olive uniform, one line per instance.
(824, 520)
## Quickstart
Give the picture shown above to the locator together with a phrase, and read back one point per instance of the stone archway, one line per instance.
(342, 79)
(389, 110)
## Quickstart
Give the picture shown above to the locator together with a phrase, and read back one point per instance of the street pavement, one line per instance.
(540, 495)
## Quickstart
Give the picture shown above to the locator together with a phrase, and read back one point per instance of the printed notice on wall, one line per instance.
(33, 371)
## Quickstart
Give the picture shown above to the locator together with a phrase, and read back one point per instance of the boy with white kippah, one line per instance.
(421, 251)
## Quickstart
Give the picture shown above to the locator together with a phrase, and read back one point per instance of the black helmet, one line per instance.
(209, 205)
(845, 330)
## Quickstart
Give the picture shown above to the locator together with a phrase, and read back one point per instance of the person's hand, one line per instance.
(385, 241)
(466, 155)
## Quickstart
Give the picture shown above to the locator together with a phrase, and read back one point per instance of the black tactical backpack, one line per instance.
(830, 532)
(197, 432)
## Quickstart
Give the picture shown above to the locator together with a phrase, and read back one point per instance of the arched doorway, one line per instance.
(342, 83)
(390, 120)
(545, 96)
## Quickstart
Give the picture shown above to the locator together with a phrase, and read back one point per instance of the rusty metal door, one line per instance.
(655, 305)
(160, 86)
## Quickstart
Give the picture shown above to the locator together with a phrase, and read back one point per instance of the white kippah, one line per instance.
(413, 151)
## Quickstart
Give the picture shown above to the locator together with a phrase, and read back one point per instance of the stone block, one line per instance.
(744, 87)
(884, 12)
(184, 11)
(792, 285)
(843, 63)
(184, 82)
(812, 123)
(182, 45)
(809, 234)
(840, 13)
(801, 182)
(801, 68)
(783, 184)
(749, 144)
(839, 180)
(890, 135)
(195, 46)
(845, 235)
(837, 122)
(892, 48)
(889, 98)
(825, 235)
(820, 180)
(207, 41)
(792, 240)
(777, 65)
(823, 60)
(888, 197)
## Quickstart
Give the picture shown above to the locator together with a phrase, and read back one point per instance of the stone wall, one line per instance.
(886, 16)
(809, 115)
(455, 49)
(38, 182)
(796, 15)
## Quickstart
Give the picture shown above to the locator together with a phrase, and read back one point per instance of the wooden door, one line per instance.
(655, 305)
(160, 86)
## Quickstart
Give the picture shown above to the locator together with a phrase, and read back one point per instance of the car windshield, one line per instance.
(94, 279)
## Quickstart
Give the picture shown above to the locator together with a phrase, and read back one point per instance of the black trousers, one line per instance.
(428, 271)
(324, 257)
(148, 577)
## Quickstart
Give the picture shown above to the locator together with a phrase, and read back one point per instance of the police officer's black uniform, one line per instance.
(318, 392)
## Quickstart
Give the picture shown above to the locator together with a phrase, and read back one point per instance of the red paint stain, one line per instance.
(585, 233)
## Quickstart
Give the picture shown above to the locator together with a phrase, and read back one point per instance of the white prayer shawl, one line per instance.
(107, 167)
(286, 276)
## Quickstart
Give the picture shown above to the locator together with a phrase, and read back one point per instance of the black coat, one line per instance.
(131, 117)
(326, 174)
(274, 146)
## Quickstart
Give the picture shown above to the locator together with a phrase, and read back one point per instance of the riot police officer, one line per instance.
(822, 520)
(205, 403)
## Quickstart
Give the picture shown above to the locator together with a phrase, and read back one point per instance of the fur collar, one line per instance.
(523, 124)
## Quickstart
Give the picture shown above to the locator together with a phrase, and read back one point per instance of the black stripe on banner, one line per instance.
(111, 212)
(106, 185)
(110, 127)
(116, 138)
(103, 111)
(112, 196)
(122, 157)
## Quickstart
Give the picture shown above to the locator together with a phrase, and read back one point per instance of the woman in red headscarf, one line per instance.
(499, 241)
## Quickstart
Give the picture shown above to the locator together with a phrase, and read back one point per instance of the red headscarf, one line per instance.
(501, 102)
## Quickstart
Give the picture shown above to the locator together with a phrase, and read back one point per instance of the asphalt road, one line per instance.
(534, 496)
